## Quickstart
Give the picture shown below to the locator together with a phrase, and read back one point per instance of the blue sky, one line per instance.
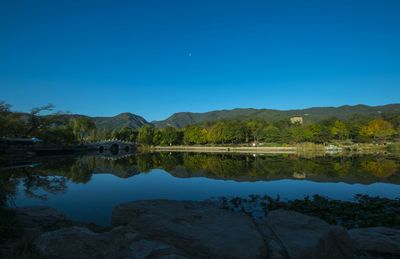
(155, 58)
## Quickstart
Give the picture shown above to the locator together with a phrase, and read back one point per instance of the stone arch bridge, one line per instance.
(114, 146)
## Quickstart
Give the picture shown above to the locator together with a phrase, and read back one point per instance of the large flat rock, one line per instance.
(81, 243)
(303, 236)
(40, 218)
(377, 241)
(199, 229)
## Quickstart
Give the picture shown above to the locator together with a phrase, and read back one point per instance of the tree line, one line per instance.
(357, 129)
(43, 123)
(56, 128)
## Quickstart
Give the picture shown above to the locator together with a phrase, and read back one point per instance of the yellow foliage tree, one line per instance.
(378, 129)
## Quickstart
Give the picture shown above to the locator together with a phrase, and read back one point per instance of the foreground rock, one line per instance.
(377, 241)
(40, 218)
(299, 236)
(121, 242)
(199, 229)
(186, 229)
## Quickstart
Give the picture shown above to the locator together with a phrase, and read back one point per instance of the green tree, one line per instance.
(339, 130)
(62, 135)
(286, 135)
(81, 127)
(259, 134)
(145, 135)
(126, 133)
(314, 133)
(300, 134)
(234, 132)
(195, 135)
(170, 136)
(100, 134)
(254, 131)
(37, 122)
(272, 134)
(157, 137)
(11, 124)
(217, 133)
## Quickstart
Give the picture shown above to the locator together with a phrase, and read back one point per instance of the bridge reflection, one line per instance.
(113, 146)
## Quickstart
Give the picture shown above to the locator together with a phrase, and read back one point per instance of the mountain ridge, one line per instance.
(125, 119)
(117, 122)
(182, 119)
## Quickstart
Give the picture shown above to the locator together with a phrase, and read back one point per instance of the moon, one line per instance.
(190, 54)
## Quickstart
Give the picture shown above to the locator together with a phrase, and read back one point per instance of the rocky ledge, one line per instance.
(187, 229)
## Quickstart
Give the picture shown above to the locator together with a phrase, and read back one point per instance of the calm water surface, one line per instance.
(86, 188)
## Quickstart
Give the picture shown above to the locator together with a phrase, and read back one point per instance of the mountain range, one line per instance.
(182, 119)
(125, 119)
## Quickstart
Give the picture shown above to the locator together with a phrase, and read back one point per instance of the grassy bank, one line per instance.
(226, 149)
(301, 148)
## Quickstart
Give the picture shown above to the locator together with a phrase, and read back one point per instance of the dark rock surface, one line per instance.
(40, 218)
(200, 229)
(187, 229)
(121, 242)
(377, 241)
(303, 236)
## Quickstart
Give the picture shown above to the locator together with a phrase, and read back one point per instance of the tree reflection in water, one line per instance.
(53, 174)
(381, 168)
(39, 187)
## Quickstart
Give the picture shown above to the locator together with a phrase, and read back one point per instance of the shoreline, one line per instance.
(226, 149)
(294, 149)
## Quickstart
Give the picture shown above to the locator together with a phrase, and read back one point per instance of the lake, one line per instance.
(86, 188)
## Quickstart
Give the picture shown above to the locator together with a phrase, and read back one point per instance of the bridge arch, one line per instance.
(113, 146)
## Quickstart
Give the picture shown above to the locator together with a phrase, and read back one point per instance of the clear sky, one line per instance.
(155, 58)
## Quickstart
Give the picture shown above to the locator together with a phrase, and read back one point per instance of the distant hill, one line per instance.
(121, 120)
(110, 123)
(183, 119)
